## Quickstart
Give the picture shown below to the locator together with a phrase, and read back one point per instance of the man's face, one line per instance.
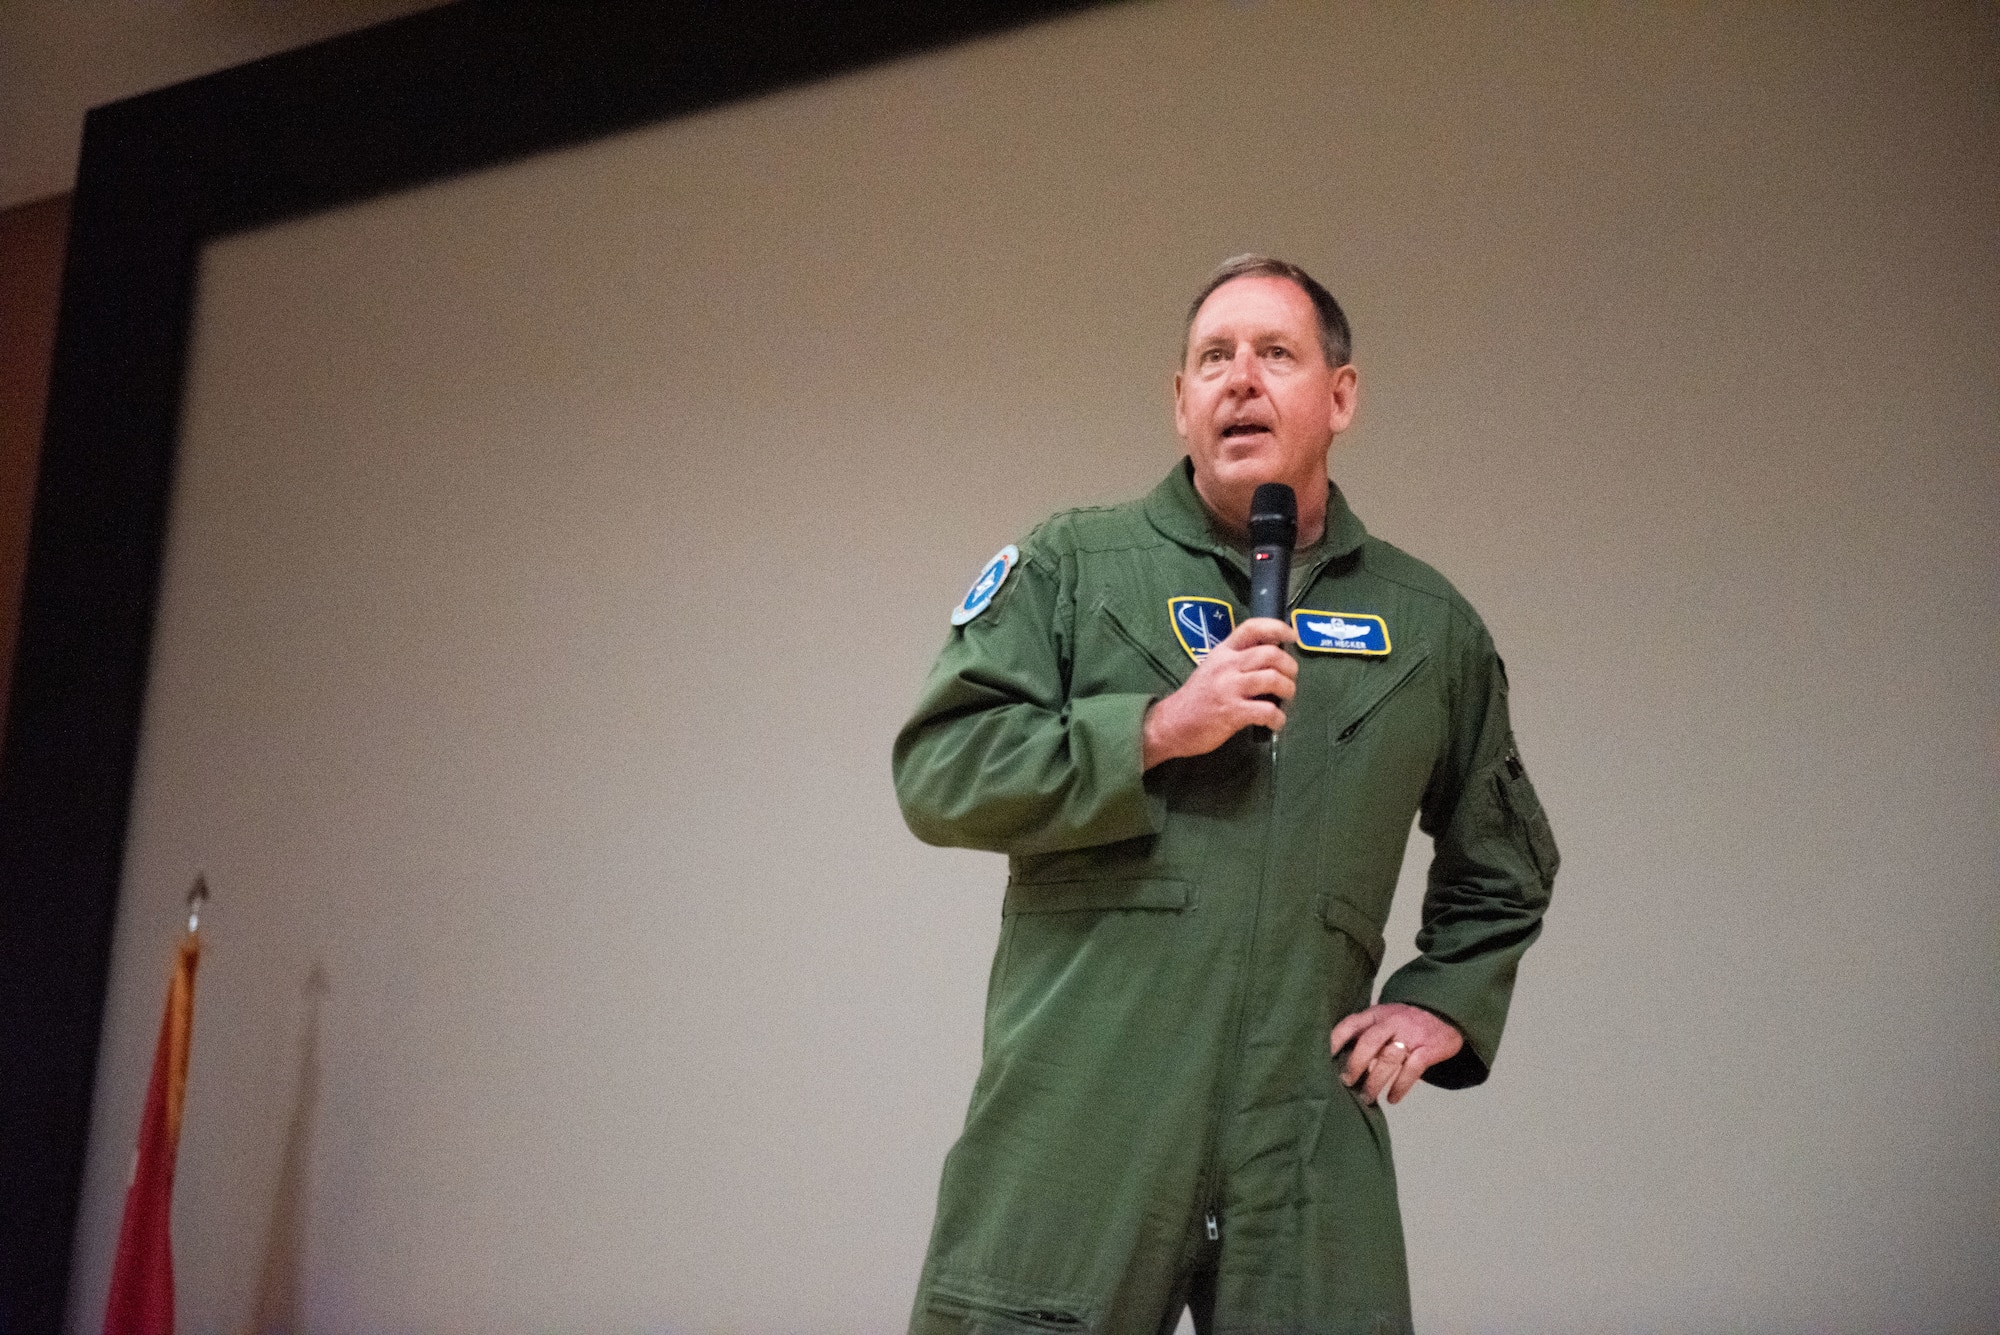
(1255, 400)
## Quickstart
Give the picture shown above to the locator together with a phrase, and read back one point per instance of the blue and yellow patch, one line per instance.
(1200, 623)
(1341, 632)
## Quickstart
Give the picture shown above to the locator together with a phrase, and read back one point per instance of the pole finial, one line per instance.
(196, 898)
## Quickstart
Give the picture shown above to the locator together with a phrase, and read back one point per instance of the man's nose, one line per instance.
(1243, 371)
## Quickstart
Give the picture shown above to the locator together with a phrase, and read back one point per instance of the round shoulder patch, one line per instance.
(991, 577)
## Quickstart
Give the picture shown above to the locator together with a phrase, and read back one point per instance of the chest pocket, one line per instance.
(1114, 657)
(1373, 686)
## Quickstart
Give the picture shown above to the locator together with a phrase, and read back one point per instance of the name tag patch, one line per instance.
(991, 577)
(1200, 623)
(1341, 632)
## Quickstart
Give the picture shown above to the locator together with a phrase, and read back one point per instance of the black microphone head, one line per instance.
(1274, 516)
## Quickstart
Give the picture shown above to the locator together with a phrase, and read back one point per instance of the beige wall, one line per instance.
(556, 550)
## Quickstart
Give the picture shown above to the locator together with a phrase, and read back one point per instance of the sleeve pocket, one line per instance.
(1518, 796)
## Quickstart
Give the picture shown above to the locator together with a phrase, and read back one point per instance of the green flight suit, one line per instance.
(1156, 1105)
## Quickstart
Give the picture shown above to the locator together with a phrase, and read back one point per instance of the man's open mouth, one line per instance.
(1245, 429)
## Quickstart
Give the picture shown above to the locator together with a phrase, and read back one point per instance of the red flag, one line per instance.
(142, 1277)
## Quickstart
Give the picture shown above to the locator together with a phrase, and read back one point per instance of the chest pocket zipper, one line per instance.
(1387, 693)
(1118, 628)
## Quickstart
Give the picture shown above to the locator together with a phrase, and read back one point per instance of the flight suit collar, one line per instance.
(1175, 509)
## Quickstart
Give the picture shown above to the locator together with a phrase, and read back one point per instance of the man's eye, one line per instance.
(1280, 353)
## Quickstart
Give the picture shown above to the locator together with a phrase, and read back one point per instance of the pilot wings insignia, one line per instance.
(1341, 632)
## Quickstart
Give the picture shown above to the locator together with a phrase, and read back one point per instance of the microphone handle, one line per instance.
(1270, 574)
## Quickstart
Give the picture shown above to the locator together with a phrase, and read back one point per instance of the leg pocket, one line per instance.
(979, 1304)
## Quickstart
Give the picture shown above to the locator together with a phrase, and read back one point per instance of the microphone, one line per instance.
(1274, 527)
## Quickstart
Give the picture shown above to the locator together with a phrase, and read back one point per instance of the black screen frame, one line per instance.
(429, 96)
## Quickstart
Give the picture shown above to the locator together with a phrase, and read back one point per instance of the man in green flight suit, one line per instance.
(1177, 1106)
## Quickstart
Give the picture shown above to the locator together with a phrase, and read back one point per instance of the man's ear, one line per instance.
(1180, 418)
(1345, 394)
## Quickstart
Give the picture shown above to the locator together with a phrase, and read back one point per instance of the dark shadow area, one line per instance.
(277, 1309)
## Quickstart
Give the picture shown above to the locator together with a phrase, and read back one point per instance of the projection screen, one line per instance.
(553, 550)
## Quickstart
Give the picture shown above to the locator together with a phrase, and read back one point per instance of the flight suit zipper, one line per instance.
(1228, 1078)
(1225, 1085)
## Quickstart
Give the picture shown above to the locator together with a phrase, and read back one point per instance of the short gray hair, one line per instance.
(1336, 340)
